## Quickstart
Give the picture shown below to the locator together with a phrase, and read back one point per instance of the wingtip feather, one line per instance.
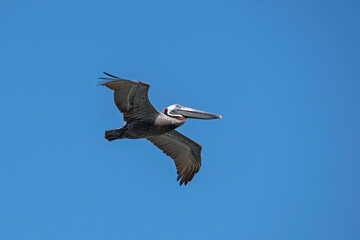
(111, 75)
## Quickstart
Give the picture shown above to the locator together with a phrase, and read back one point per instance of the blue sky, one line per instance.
(283, 163)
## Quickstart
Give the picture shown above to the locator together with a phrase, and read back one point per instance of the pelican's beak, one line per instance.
(193, 113)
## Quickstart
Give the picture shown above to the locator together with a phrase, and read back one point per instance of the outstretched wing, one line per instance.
(185, 152)
(130, 97)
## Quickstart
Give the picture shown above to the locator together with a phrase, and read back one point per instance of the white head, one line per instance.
(180, 111)
(171, 110)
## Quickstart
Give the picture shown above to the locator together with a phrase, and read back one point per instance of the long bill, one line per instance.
(193, 113)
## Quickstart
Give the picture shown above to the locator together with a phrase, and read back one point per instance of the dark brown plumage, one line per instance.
(143, 121)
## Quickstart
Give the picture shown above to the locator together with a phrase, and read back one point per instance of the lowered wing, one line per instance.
(130, 97)
(185, 152)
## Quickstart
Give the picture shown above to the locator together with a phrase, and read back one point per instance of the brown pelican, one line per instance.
(143, 121)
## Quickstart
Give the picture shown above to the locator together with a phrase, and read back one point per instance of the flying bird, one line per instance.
(142, 120)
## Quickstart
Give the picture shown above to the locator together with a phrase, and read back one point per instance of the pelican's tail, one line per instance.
(114, 134)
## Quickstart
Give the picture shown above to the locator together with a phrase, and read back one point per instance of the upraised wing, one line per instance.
(185, 152)
(130, 97)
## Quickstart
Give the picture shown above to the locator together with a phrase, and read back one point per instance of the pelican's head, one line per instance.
(180, 111)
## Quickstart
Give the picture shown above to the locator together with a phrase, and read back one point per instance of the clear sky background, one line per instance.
(283, 163)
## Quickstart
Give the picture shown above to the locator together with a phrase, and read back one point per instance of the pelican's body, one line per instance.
(143, 121)
(154, 125)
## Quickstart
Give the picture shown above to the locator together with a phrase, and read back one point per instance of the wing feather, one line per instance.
(185, 152)
(130, 97)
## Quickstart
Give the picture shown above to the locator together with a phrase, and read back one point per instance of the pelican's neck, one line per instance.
(175, 117)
